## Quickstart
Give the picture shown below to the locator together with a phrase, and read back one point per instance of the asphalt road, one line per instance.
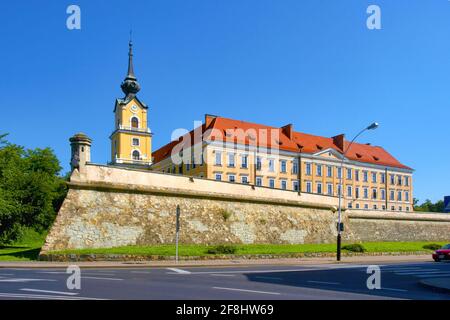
(325, 281)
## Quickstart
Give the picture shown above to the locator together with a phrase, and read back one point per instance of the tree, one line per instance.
(429, 206)
(31, 190)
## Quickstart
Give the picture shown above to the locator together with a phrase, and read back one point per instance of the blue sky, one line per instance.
(310, 63)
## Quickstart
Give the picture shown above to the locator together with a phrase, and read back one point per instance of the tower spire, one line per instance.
(130, 86)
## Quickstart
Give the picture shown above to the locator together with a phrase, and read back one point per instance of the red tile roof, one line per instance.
(242, 132)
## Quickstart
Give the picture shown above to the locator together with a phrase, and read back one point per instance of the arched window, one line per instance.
(134, 122)
(136, 155)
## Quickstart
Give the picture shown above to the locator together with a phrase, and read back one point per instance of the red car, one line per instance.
(442, 254)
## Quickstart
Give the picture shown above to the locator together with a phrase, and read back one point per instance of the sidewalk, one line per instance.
(205, 263)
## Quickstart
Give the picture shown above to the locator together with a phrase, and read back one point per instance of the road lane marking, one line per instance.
(222, 275)
(181, 271)
(323, 282)
(44, 297)
(251, 271)
(49, 291)
(245, 290)
(23, 280)
(417, 273)
(439, 274)
(393, 289)
(101, 278)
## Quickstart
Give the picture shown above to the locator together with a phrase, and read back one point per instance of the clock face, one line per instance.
(134, 108)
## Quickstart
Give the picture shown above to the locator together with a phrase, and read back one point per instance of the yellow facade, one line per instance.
(319, 174)
(131, 141)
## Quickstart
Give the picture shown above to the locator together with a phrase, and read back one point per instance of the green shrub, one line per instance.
(222, 249)
(432, 246)
(355, 247)
(225, 214)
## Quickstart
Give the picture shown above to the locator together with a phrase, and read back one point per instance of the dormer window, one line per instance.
(358, 155)
(319, 147)
(376, 158)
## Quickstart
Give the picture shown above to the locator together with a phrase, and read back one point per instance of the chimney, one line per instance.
(339, 141)
(209, 119)
(288, 130)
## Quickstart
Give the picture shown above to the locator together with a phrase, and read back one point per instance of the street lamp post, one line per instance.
(373, 126)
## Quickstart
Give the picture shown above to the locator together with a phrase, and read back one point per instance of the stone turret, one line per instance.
(81, 151)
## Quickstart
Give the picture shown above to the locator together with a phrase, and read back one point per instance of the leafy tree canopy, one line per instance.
(31, 190)
(429, 206)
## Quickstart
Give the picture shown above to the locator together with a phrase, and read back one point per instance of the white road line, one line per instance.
(245, 290)
(43, 297)
(324, 282)
(53, 272)
(393, 289)
(101, 278)
(49, 291)
(443, 274)
(24, 280)
(222, 275)
(402, 269)
(181, 271)
(251, 271)
(416, 273)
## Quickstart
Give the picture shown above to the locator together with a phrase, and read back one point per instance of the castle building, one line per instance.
(131, 140)
(268, 157)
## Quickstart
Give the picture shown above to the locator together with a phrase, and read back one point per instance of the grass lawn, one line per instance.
(201, 250)
(26, 249)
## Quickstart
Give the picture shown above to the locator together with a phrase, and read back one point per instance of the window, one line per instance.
(375, 207)
(383, 178)
(244, 179)
(308, 169)
(399, 180)
(283, 184)
(295, 166)
(383, 194)
(135, 142)
(392, 195)
(329, 189)
(350, 205)
(218, 158)
(339, 173)
(357, 192)
(366, 206)
(392, 178)
(365, 176)
(271, 165)
(357, 206)
(399, 208)
(356, 175)
(349, 174)
(383, 207)
(399, 196)
(218, 177)
(366, 193)
(374, 193)
(134, 122)
(392, 208)
(244, 161)
(272, 183)
(374, 177)
(258, 163)
(283, 166)
(329, 171)
(188, 166)
(407, 181)
(231, 159)
(319, 188)
(319, 170)
(308, 187)
(136, 155)
(407, 208)
(295, 186)
(349, 191)
(231, 178)
(406, 196)
(258, 181)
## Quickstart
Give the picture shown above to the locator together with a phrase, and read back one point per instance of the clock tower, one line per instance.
(131, 140)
